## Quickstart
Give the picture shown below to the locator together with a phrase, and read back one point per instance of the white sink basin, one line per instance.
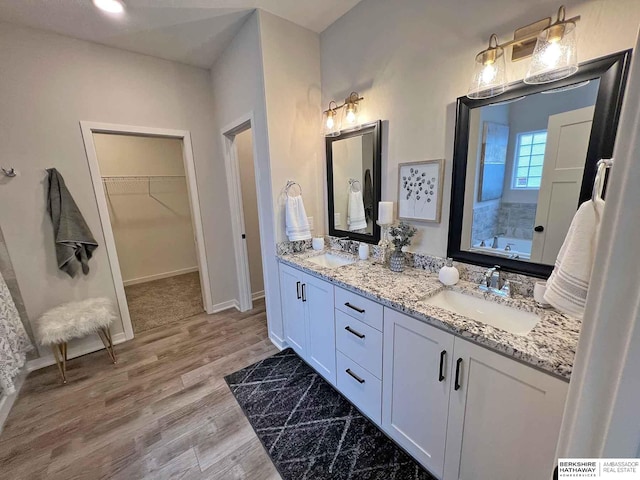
(494, 314)
(330, 261)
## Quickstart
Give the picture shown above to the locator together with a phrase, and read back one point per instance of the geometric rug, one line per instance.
(312, 432)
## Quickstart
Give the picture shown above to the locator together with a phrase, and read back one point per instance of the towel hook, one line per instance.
(9, 172)
(599, 182)
(291, 183)
(352, 185)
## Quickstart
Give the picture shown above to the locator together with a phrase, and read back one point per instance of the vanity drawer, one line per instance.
(360, 342)
(363, 309)
(360, 387)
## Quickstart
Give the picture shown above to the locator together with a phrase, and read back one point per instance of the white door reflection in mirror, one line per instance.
(567, 143)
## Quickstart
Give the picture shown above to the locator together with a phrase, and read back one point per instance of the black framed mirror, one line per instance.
(354, 168)
(525, 160)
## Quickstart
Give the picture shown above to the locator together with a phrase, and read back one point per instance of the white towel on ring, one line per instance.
(356, 219)
(568, 284)
(297, 223)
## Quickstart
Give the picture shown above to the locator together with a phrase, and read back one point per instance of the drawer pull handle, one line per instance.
(358, 379)
(304, 292)
(443, 354)
(359, 310)
(298, 290)
(457, 382)
(351, 330)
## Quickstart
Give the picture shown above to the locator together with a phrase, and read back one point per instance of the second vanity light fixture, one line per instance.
(333, 116)
(554, 57)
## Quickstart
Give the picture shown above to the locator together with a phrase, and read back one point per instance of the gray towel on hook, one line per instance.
(73, 239)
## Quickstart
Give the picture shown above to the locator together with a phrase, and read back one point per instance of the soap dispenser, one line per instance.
(449, 274)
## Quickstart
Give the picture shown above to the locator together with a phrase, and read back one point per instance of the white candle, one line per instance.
(385, 213)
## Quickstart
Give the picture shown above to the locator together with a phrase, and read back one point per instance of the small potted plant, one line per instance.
(400, 237)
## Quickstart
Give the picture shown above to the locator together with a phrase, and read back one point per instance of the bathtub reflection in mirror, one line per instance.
(524, 172)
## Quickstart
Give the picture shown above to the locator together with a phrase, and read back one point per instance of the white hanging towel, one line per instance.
(297, 223)
(568, 284)
(356, 219)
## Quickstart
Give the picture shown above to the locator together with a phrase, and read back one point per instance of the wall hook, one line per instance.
(11, 172)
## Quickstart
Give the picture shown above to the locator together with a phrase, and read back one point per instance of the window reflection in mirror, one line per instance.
(524, 171)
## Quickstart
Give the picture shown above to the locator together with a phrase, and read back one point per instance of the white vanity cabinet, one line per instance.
(498, 418)
(417, 371)
(308, 315)
(510, 415)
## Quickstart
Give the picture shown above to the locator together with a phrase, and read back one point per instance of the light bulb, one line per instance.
(330, 122)
(351, 116)
(110, 6)
(551, 54)
(489, 73)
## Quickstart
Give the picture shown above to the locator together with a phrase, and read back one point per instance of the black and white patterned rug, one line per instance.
(311, 431)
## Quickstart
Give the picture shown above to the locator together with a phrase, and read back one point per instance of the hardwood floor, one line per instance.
(163, 411)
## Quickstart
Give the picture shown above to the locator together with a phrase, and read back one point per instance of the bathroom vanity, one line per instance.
(466, 399)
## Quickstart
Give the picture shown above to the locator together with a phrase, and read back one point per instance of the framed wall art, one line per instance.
(420, 190)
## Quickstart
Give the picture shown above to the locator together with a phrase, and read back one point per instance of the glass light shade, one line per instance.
(489, 75)
(331, 123)
(555, 56)
(351, 114)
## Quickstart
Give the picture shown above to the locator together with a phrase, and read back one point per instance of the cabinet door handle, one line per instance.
(359, 310)
(351, 330)
(457, 382)
(304, 292)
(358, 379)
(298, 290)
(443, 354)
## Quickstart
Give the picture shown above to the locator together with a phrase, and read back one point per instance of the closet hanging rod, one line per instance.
(143, 176)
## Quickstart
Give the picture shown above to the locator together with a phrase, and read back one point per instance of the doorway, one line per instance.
(144, 182)
(243, 198)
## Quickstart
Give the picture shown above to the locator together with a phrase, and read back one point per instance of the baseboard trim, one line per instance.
(159, 276)
(88, 346)
(257, 295)
(219, 307)
(7, 401)
(277, 341)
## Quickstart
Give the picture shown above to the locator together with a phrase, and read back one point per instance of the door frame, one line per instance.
(232, 170)
(88, 129)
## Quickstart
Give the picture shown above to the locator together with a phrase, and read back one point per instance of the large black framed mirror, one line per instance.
(354, 169)
(525, 160)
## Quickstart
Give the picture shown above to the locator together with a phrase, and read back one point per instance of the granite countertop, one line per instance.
(550, 346)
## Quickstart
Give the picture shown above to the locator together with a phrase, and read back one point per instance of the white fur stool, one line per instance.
(74, 320)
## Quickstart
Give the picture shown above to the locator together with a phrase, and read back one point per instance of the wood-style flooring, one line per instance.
(163, 411)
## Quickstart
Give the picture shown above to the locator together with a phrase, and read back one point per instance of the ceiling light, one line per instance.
(110, 6)
(489, 77)
(555, 56)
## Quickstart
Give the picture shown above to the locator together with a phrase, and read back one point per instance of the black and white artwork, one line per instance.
(420, 191)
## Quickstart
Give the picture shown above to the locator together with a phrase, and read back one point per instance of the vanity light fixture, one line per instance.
(110, 6)
(489, 77)
(332, 121)
(555, 56)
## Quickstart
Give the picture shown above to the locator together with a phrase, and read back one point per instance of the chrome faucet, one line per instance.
(495, 240)
(493, 282)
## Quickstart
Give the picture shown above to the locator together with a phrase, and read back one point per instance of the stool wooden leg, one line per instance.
(60, 352)
(105, 336)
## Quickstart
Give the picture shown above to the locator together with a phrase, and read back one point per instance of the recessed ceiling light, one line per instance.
(111, 6)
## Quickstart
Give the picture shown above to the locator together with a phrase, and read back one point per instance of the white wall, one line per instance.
(50, 83)
(291, 59)
(244, 145)
(151, 219)
(412, 59)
